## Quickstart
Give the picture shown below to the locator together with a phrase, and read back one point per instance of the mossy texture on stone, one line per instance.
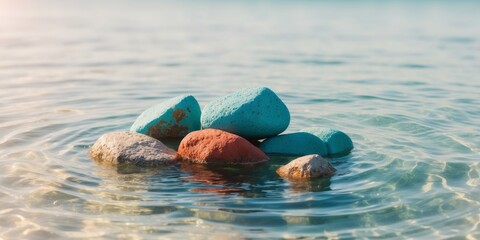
(175, 117)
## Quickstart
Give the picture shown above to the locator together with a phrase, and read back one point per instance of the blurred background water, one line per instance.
(400, 77)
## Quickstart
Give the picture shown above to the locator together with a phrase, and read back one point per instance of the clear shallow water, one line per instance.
(401, 78)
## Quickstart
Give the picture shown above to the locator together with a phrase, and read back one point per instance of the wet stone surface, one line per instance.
(212, 146)
(119, 148)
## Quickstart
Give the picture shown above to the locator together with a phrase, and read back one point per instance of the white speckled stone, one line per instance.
(131, 148)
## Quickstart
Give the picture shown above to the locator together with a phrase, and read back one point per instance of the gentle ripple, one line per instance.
(402, 78)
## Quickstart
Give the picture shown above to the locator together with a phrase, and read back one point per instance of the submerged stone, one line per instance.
(337, 141)
(300, 143)
(253, 113)
(212, 146)
(131, 148)
(307, 167)
(175, 117)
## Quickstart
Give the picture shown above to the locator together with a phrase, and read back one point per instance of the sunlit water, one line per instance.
(402, 79)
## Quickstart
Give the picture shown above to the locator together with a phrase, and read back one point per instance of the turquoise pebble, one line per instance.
(175, 117)
(300, 143)
(253, 113)
(337, 141)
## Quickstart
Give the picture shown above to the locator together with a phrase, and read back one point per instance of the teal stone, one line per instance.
(253, 113)
(300, 143)
(337, 141)
(175, 117)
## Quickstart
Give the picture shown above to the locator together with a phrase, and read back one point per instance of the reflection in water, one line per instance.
(244, 180)
(222, 180)
(248, 181)
(120, 191)
(313, 185)
(219, 175)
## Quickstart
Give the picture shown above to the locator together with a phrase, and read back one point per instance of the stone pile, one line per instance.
(238, 129)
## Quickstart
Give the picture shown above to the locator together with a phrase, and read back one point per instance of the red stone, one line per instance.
(212, 146)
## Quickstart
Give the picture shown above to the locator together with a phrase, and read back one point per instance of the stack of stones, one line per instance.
(242, 128)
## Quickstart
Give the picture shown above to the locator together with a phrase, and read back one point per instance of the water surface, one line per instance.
(401, 78)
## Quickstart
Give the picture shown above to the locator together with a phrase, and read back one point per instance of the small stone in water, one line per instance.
(307, 167)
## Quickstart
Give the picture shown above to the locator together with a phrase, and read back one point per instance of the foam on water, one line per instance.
(400, 78)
